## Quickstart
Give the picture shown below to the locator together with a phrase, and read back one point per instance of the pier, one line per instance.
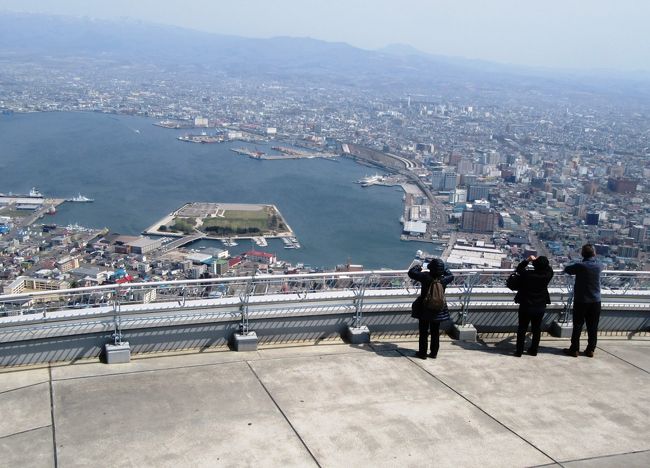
(287, 153)
(47, 205)
(201, 138)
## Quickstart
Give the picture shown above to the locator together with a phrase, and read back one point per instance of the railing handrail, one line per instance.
(265, 277)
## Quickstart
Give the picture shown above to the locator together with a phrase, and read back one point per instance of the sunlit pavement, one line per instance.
(336, 405)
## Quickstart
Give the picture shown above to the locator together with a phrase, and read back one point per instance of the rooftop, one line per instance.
(334, 404)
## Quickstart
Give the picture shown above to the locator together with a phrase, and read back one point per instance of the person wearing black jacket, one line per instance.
(532, 298)
(428, 322)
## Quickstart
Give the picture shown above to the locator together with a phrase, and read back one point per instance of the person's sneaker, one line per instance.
(570, 352)
(420, 355)
(532, 353)
(517, 354)
(588, 353)
(432, 356)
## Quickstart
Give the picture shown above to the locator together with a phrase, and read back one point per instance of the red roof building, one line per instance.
(260, 257)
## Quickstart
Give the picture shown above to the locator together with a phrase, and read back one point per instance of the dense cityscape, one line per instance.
(489, 177)
(329, 234)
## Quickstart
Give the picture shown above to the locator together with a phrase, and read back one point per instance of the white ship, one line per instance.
(33, 193)
(371, 180)
(260, 241)
(229, 242)
(80, 199)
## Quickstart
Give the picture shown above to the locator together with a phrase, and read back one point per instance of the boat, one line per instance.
(80, 199)
(33, 193)
(371, 180)
(260, 241)
(229, 242)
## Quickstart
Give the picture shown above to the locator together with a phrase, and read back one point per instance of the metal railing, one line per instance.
(240, 298)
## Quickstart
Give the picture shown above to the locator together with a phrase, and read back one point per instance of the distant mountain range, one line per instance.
(33, 36)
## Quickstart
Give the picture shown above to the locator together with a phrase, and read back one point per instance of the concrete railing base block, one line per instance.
(465, 332)
(245, 341)
(118, 353)
(357, 335)
(561, 329)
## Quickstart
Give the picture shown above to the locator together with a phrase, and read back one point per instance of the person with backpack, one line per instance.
(532, 297)
(430, 308)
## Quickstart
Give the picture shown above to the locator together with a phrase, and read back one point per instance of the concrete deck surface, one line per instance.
(336, 405)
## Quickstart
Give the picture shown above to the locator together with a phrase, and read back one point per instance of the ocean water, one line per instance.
(137, 173)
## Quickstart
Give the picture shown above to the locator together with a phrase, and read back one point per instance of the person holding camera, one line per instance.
(429, 318)
(586, 300)
(532, 297)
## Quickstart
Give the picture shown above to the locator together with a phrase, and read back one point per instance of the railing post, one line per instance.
(118, 352)
(563, 327)
(181, 301)
(245, 339)
(358, 302)
(567, 312)
(358, 333)
(468, 286)
(462, 330)
(117, 322)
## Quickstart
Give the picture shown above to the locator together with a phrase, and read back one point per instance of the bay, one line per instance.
(137, 173)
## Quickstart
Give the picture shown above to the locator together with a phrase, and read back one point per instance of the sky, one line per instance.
(573, 34)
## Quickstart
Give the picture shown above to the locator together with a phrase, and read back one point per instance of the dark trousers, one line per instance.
(588, 313)
(426, 327)
(532, 315)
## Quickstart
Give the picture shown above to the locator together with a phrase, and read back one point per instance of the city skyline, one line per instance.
(564, 35)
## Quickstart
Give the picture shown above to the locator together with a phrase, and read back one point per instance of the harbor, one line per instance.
(156, 183)
(32, 206)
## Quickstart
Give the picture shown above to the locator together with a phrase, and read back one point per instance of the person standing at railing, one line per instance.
(586, 300)
(532, 297)
(429, 321)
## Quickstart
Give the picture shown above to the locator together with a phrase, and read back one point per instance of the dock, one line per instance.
(48, 204)
(287, 153)
(249, 153)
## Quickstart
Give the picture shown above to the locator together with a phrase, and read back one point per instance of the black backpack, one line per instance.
(435, 300)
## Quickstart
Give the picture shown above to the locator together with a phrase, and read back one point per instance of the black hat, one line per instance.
(540, 263)
(436, 266)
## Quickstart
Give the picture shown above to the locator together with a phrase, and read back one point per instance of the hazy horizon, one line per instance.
(568, 34)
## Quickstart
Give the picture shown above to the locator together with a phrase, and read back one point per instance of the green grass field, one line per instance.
(240, 219)
(256, 222)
